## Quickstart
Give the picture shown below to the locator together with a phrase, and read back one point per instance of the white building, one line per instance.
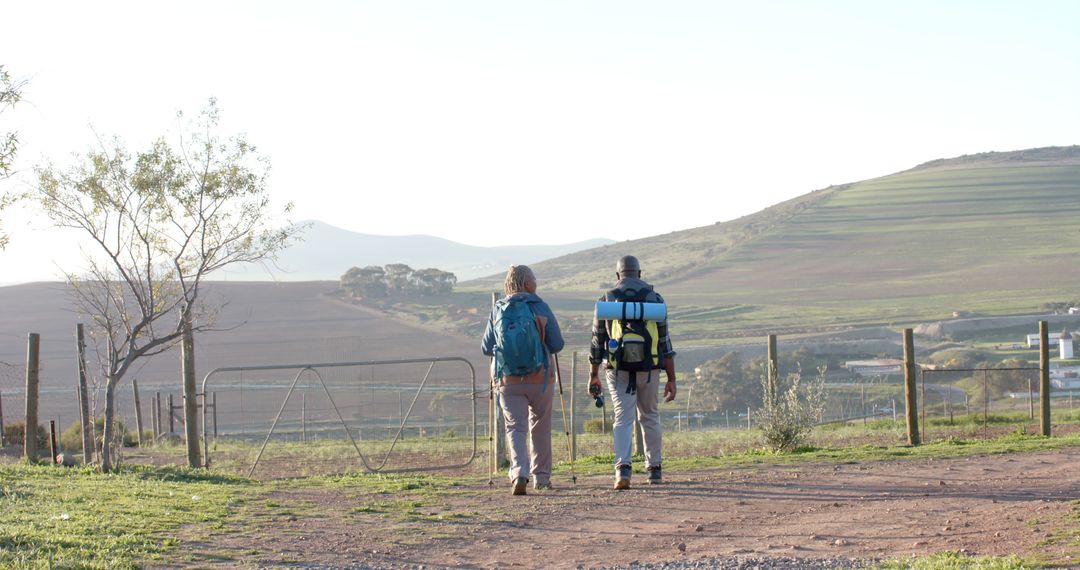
(1052, 339)
(874, 367)
(1064, 377)
(1065, 345)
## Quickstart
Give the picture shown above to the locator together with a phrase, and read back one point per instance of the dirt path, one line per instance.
(995, 505)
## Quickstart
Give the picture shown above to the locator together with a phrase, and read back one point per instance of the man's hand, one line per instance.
(669, 391)
(595, 381)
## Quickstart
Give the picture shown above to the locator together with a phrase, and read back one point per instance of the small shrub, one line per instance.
(14, 433)
(72, 441)
(788, 413)
(597, 425)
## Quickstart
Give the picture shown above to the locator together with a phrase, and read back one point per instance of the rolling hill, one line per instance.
(993, 233)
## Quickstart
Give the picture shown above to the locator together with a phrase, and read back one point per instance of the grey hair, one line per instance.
(516, 277)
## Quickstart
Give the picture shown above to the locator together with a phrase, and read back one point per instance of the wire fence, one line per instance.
(370, 416)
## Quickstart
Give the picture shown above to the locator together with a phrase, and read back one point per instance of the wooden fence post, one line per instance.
(138, 410)
(573, 407)
(84, 399)
(772, 370)
(160, 427)
(153, 420)
(30, 442)
(910, 395)
(172, 418)
(502, 460)
(52, 441)
(3, 440)
(1044, 377)
(862, 402)
(1031, 398)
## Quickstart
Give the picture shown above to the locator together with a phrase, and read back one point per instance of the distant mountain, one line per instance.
(328, 252)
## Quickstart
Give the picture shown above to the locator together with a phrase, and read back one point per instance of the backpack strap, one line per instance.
(541, 325)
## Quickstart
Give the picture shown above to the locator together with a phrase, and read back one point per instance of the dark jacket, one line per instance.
(601, 329)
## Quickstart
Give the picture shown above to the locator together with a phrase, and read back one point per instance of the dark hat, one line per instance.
(627, 263)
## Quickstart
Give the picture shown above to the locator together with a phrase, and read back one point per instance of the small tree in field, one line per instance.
(10, 93)
(160, 221)
(790, 410)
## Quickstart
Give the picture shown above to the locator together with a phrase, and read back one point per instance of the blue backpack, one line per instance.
(518, 349)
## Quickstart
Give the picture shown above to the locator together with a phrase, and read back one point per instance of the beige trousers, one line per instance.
(526, 410)
(645, 404)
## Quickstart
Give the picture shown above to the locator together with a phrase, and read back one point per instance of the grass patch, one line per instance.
(950, 447)
(392, 483)
(954, 561)
(78, 518)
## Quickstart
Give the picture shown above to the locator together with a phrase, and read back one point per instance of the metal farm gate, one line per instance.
(945, 393)
(335, 417)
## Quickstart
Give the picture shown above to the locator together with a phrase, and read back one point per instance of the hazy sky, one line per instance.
(598, 119)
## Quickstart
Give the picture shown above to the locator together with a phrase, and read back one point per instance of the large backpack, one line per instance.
(632, 343)
(519, 349)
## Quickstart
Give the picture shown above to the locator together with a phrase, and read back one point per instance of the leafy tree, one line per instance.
(1003, 381)
(721, 384)
(433, 281)
(160, 221)
(960, 360)
(367, 281)
(10, 94)
(398, 278)
(729, 383)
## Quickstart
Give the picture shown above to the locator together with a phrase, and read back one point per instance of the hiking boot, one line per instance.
(519, 485)
(622, 478)
(655, 476)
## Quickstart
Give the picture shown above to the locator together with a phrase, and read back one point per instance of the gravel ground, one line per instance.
(748, 563)
(736, 563)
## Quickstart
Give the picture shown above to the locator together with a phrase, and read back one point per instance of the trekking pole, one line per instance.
(492, 462)
(562, 402)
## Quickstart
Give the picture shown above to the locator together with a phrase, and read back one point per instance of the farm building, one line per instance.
(1052, 339)
(1064, 377)
(874, 367)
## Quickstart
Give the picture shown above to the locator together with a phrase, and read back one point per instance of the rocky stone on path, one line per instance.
(65, 459)
(747, 563)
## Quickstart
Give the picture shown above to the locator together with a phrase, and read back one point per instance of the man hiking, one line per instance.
(522, 334)
(632, 353)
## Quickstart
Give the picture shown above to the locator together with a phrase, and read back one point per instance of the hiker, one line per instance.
(632, 374)
(522, 334)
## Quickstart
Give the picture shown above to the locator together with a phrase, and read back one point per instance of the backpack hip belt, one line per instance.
(537, 377)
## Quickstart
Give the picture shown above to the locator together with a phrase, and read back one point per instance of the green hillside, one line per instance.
(994, 233)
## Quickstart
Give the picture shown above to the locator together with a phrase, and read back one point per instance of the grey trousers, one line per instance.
(526, 409)
(645, 401)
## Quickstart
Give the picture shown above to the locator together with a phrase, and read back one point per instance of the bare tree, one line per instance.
(160, 222)
(10, 94)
